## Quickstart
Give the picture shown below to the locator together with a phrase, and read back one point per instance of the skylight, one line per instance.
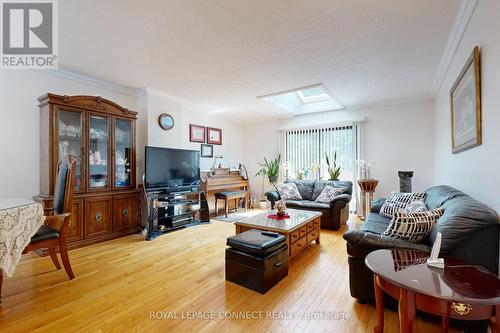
(313, 94)
(309, 99)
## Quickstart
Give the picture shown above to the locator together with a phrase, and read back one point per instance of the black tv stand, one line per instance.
(171, 209)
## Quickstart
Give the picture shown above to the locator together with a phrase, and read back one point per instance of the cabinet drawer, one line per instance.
(294, 236)
(298, 246)
(303, 231)
(98, 216)
(312, 235)
(125, 211)
(316, 223)
(310, 226)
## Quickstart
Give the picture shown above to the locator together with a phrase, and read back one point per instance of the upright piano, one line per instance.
(231, 181)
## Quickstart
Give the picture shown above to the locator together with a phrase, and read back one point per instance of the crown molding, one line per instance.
(390, 102)
(145, 91)
(86, 79)
(459, 26)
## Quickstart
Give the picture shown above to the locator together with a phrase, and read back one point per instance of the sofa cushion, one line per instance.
(398, 201)
(416, 206)
(289, 191)
(375, 223)
(462, 217)
(413, 227)
(307, 204)
(305, 188)
(438, 195)
(319, 185)
(328, 194)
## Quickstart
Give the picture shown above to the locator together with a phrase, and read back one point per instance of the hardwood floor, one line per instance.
(121, 283)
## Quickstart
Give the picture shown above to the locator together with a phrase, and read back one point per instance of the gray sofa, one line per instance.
(470, 232)
(334, 213)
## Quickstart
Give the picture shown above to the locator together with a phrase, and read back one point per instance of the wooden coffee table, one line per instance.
(460, 290)
(302, 228)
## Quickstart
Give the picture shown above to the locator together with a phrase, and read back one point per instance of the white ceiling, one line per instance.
(218, 55)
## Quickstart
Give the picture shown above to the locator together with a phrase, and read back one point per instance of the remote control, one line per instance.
(270, 234)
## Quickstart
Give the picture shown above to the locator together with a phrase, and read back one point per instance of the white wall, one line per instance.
(396, 137)
(19, 127)
(19, 124)
(178, 137)
(474, 171)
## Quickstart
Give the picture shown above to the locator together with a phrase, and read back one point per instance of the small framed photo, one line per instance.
(214, 136)
(207, 150)
(197, 133)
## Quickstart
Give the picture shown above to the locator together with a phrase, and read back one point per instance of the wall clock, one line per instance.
(166, 121)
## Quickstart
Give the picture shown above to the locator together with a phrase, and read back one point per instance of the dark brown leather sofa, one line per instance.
(335, 213)
(470, 232)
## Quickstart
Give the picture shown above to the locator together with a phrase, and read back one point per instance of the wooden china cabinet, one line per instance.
(101, 135)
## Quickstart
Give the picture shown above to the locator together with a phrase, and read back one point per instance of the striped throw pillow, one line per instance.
(413, 227)
(398, 201)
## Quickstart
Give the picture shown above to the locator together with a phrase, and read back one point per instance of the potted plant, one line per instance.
(333, 170)
(270, 169)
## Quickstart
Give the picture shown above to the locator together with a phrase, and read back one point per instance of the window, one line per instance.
(304, 151)
(310, 99)
(313, 95)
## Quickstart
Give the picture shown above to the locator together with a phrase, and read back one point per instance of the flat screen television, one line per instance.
(171, 168)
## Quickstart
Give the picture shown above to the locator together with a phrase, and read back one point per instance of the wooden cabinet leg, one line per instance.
(379, 300)
(406, 311)
(444, 324)
(226, 206)
(495, 327)
(445, 320)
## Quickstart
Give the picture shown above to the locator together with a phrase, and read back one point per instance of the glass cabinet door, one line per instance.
(70, 140)
(98, 152)
(123, 153)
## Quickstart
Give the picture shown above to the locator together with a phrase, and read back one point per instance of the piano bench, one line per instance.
(230, 195)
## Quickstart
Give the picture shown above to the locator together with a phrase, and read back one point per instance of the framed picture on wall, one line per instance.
(214, 136)
(207, 150)
(197, 133)
(465, 98)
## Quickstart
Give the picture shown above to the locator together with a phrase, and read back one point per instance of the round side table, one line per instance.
(460, 290)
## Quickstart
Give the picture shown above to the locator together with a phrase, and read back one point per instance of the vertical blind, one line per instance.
(303, 152)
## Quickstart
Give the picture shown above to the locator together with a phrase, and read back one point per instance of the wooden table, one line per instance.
(459, 291)
(19, 220)
(302, 228)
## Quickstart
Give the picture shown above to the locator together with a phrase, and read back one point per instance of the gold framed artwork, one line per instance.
(465, 96)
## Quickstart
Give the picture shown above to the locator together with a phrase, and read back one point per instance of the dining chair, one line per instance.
(55, 230)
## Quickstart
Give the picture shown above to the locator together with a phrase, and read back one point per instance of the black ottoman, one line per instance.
(256, 259)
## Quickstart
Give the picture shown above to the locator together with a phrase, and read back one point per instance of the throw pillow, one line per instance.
(413, 227)
(328, 194)
(416, 206)
(289, 191)
(398, 201)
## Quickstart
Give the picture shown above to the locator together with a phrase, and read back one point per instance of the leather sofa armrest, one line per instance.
(370, 241)
(376, 205)
(272, 196)
(346, 198)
